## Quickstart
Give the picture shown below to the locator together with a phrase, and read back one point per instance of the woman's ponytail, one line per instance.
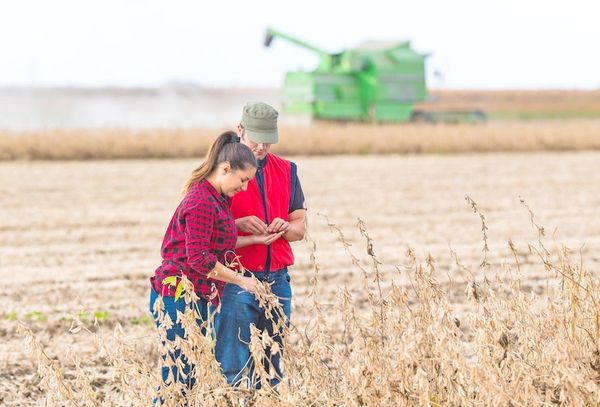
(226, 147)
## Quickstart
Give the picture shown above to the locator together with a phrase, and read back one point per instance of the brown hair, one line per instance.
(225, 148)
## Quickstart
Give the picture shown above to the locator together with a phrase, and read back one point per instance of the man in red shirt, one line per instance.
(268, 215)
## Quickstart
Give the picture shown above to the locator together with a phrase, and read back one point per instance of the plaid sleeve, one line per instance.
(199, 221)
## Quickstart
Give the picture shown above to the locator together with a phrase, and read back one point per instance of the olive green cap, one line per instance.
(259, 120)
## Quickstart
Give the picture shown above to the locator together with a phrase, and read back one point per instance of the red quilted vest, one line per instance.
(277, 184)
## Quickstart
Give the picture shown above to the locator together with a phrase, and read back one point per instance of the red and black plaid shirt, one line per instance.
(201, 232)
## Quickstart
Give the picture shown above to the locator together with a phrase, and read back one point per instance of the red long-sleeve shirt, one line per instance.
(201, 232)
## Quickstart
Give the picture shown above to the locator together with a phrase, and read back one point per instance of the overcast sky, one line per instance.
(473, 43)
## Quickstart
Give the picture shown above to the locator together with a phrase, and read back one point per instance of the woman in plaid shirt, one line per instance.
(199, 245)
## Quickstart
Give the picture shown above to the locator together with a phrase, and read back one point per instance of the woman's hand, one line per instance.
(278, 225)
(266, 238)
(249, 284)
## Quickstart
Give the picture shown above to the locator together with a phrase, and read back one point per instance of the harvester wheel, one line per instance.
(479, 116)
(420, 116)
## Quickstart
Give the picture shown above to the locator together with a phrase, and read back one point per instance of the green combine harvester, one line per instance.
(378, 82)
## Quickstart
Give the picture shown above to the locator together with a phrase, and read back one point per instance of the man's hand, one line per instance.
(252, 225)
(278, 225)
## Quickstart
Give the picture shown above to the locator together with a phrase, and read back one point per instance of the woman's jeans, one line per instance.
(239, 309)
(171, 308)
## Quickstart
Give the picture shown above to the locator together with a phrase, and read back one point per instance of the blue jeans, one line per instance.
(239, 309)
(171, 308)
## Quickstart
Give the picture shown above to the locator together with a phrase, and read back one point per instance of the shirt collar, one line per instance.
(263, 162)
(214, 192)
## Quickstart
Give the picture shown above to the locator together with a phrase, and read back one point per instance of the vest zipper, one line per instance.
(262, 187)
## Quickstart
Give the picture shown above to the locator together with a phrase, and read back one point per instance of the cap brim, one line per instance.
(259, 137)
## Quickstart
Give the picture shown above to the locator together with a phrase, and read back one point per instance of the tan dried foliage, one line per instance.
(403, 346)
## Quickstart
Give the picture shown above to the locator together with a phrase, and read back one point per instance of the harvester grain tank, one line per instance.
(374, 82)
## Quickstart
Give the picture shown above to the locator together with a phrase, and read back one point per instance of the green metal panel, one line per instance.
(298, 92)
(393, 112)
(337, 96)
(339, 110)
(402, 88)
